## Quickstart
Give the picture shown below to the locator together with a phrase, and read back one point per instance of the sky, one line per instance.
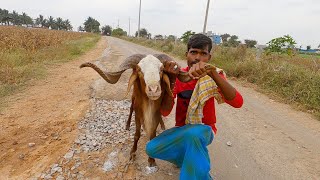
(260, 20)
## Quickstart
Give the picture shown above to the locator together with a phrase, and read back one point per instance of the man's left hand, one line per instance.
(198, 70)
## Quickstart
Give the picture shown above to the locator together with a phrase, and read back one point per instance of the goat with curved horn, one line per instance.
(150, 83)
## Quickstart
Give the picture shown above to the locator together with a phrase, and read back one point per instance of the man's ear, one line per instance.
(186, 53)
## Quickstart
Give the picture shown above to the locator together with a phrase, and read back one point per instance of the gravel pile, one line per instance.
(103, 125)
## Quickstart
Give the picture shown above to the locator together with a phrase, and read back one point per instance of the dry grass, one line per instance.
(26, 53)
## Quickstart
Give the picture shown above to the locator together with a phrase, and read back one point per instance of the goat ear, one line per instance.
(167, 81)
(133, 77)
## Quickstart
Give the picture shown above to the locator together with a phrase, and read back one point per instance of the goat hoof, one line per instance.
(127, 128)
(152, 164)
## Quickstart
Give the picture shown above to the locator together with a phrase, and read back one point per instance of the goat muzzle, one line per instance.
(153, 91)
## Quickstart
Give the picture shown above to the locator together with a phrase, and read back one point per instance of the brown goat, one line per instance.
(150, 84)
(163, 127)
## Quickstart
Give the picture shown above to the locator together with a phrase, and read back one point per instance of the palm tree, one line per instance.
(27, 20)
(80, 29)
(51, 22)
(67, 25)
(16, 19)
(40, 20)
(59, 23)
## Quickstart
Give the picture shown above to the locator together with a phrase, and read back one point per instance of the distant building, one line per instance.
(308, 50)
(216, 39)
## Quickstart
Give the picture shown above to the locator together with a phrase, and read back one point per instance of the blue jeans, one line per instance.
(185, 147)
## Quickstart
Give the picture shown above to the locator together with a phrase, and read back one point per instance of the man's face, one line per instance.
(195, 55)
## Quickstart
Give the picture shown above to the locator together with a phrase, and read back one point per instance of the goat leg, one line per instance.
(130, 116)
(163, 127)
(152, 161)
(136, 139)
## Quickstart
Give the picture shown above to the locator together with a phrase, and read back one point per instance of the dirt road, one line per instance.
(266, 139)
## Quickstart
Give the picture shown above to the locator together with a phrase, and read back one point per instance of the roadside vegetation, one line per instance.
(26, 53)
(290, 77)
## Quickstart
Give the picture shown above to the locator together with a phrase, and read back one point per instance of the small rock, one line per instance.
(31, 144)
(21, 156)
(69, 155)
(68, 129)
(229, 143)
(43, 137)
(14, 143)
(60, 177)
(265, 126)
(48, 176)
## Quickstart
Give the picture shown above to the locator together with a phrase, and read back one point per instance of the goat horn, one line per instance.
(163, 57)
(131, 61)
(184, 76)
(113, 77)
(110, 77)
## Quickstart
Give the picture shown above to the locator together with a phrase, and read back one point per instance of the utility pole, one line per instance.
(129, 27)
(118, 23)
(139, 20)
(205, 20)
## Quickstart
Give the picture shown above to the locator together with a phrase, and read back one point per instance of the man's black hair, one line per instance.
(200, 41)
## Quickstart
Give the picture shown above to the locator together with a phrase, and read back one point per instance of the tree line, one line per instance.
(14, 18)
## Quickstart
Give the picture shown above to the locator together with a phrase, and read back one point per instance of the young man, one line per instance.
(185, 145)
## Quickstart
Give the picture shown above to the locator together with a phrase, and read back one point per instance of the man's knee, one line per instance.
(199, 133)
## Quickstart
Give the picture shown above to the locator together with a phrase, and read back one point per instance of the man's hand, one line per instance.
(172, 69)
(197, 70)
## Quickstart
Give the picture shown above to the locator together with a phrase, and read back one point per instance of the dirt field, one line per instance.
(269, 140)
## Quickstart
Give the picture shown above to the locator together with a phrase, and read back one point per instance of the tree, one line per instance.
(106, 30)
(233, 41)
(224, 37)
(5, 17)
(26, 20)
(143, 33)
(118, 32)
(281, 45)
(81, 29)
(91, 25)
(51, 22)
(39, 20)
(171, 38)
(16, 18)
(250, 43)
(308, 47)
(59, 23)
(159, 37)
(66, 25)
(185, 36)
